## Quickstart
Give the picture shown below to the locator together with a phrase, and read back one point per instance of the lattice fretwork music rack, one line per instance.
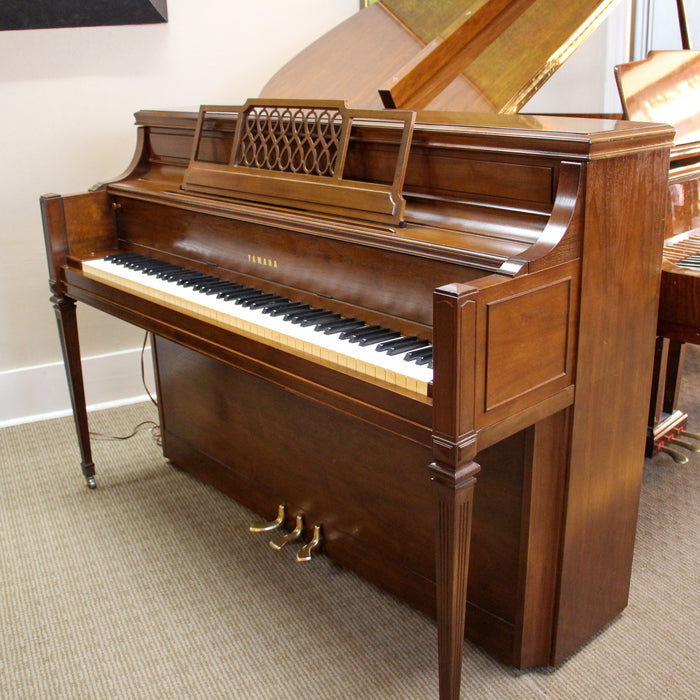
(293, 153)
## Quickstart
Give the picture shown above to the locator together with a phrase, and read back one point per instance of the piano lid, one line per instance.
(463, 55)
(665, 88)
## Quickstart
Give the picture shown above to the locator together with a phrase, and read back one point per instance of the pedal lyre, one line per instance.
(304, 554)
(265, 526)
(295, 534)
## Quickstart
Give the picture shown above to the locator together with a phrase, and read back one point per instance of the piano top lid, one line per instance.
(665, 87)
(463, 55)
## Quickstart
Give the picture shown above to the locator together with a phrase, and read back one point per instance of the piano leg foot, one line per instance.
(91, 482)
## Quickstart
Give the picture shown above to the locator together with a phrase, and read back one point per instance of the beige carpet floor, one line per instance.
(152, 587)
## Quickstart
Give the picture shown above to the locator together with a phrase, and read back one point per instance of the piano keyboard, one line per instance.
(349, 343)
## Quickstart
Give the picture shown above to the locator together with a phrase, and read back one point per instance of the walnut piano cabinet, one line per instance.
(527, 253)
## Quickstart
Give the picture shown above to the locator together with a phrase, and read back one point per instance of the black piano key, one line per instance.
(123, 258)
(313, 320)
(248, 301)
(379, 337)
(219, 286)
(691, 263)
(138, 263)
(297, 315)
(398, 342)
(245, 295)
(225, 291)
(118, 257)
(270, 301)
(155, 267)
(343, 324)
(197, 282)
(404, 346)
(239, 294)
(421, 356)
(281, 309)
(176, 275)
(355, 335)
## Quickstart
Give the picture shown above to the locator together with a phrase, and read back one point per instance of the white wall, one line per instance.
(67, 99)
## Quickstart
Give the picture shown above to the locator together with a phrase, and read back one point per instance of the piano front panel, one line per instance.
(265, 445)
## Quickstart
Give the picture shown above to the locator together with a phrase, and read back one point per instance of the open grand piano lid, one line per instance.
(665, 87)
(463, 55)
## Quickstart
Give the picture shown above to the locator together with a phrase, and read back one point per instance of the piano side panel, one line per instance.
(624, 207)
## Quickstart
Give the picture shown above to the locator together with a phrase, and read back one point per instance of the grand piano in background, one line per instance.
(665, 87)
(501, 244)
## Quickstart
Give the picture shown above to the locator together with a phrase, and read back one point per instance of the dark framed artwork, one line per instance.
(46, 14)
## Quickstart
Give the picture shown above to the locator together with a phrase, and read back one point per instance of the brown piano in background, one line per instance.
(666, 87)
(498, 243)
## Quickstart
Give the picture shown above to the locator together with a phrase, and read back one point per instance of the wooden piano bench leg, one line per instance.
(68, 334)
(454, 500)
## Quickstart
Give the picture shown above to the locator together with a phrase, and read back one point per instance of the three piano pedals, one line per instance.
(677, 437)
(304, 554)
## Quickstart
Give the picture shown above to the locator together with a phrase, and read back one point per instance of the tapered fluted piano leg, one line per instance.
(68, 333)
(454, 497)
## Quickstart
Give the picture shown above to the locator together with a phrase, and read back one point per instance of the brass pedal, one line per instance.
(694, 436)
(304, 554)
(678, 458)
(687, 445)
(265, 526)
(295, 534)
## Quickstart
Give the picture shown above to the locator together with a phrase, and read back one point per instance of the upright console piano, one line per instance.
(495, 282)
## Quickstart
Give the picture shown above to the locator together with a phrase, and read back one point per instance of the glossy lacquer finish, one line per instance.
(525, 244)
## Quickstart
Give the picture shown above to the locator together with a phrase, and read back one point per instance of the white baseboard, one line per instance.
(38, 393)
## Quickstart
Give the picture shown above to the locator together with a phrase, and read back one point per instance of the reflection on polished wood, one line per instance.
(464, 55)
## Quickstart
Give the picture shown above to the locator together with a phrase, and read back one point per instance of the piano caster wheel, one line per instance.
(677, 457)
(304, 554)
(264, 526)
(295, 534)
(687, 445)
(91, 482)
